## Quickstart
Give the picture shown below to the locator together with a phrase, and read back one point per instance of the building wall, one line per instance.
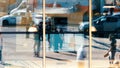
(3, 5)
(7, 5)
(73, 18)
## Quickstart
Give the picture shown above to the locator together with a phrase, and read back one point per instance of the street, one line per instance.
(18, 51)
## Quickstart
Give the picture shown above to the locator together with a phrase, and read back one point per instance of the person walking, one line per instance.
(112, 51)
(37, 38)
(61, 38)
(48, 31)
(56, 41)
(81, 52)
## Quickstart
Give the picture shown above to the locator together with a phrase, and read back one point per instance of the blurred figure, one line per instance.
(112, 49)
(81, 52)
(81, 55)
(56, 40)
(61, 38)
(37, 38)
(48, 31)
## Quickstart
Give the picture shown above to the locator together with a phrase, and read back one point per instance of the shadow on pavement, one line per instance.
(70, 53)
(57, 58)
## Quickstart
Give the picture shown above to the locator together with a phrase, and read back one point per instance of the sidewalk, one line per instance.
(18, 53)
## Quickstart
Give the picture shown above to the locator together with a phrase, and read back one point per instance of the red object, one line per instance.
(51, 5)
(34, 3)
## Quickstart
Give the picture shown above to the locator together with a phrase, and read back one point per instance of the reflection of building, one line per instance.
(7, 5)
(70, 10)
(3, 5)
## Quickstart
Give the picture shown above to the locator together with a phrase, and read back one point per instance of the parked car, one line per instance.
(84, 27)
(116, 14)
(109, 23)
(13, 18)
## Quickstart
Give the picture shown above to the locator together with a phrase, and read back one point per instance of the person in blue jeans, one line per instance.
(38, 38)
(56, 38)
(56, 41)
(36, 45)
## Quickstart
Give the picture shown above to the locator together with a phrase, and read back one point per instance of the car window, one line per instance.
(39, 17)
(112, 19)
(103, 19)
(23, 5)
(117, 15)
(19, 14)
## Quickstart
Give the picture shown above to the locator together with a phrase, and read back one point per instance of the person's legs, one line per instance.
(112, 57)
(61, 45)
(35, 46)
(56, 47)
(49, 41)
(38, 49)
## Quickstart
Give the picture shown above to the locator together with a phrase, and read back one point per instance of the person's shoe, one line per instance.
(37, 55)
(49, 48)
(56, 51)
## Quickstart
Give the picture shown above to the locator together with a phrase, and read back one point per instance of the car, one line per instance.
(108, 23)
(116, 14)
(84, 27)
(13, 18)
(16, 18)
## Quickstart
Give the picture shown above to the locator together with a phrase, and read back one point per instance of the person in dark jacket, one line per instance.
(112, 49)
(38, 37)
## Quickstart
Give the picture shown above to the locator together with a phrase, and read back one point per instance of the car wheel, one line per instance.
(5, 23)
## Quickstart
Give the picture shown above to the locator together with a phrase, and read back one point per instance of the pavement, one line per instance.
(18, 53)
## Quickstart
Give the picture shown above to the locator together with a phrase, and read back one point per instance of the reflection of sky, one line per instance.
(84, 2)
(66, 3)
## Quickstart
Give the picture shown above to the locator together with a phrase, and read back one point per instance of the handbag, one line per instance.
(107, 54)
(32, 29)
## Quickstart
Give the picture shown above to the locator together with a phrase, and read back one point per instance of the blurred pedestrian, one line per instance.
(61, 38)
(81, 52)
(48, 31)
(57, 40)
(37, 38)
(112, 51)
(81, 55)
